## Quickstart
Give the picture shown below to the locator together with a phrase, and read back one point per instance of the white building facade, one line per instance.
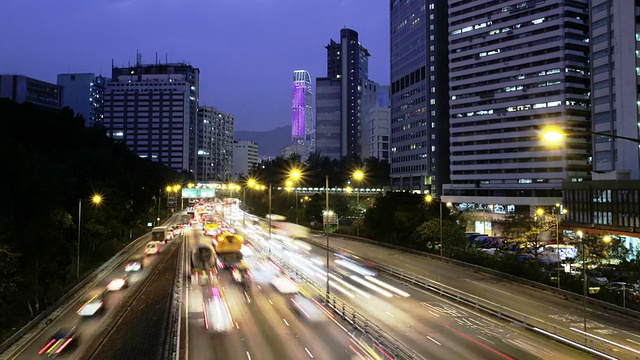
(245, 158)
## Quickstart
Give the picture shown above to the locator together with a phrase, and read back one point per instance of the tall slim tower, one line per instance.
(302, 122)
(338, 110)
(419, 96)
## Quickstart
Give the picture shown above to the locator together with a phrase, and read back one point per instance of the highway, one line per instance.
(88, 327)
(540, 305)
(264, 324)
(435, 328)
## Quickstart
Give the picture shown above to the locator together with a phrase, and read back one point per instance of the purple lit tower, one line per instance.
(302, 121)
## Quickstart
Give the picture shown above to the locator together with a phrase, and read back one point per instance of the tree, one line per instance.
(532, 233)
(427, 236)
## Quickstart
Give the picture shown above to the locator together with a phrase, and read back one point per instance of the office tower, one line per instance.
(153, 110)
(419, 96)
(302, 122)
(338, 132)
(614, 54)
(516, 68)
(22, 89)
(374, 127)
(84, 93)
(609, 203)
(215, 144)
(245, 158)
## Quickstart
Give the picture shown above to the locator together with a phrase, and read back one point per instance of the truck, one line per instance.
(161, 234)
(228, 247)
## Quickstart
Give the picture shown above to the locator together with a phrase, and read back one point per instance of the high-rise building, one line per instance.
(347, 71)
(302, 123)
(516, 68)
(374, 127)
(22, 89)
(215, 144)
(609, 203)
(245, 158)
(153, 110)
(84, 93)
(419, 96)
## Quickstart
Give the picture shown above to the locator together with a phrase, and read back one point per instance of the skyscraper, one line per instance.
(516, 68)
(338, 132)
(153, 110)
(215, 144)
(302, 122)
(84, 93)
(419, 96)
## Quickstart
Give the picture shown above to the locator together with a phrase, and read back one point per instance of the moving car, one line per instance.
(64, 338)
(118, 283)
(152, 248)
(284, 285)
(136, 263)
(93, 305)
(307, 308)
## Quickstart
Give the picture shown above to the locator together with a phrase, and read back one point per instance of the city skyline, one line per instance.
(244, 50)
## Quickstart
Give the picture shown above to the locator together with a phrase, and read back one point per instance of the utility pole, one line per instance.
(326, 227)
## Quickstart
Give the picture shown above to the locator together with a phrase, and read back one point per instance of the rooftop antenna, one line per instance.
(166, 58)
(138, 58)
(156, 58)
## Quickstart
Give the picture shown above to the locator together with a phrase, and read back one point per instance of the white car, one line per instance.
(118, 283)
(94, 305)
(284, 285)
(152, 248)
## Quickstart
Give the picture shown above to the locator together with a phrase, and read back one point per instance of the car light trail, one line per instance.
(355, 268)
(387, 286)
(360, 292)
(606, 340)
(362, 281)
(573, 343)
(479, 343)
(341, 289)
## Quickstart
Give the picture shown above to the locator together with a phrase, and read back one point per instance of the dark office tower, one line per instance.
(215, 144)
(419, 96)
(22, 89)
(516, 68)
(153, 110)
(347, 70)
(84, 93)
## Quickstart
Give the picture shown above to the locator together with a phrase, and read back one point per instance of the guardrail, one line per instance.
(572, 337)
(171, 348)
(392, 345)
(502, 275)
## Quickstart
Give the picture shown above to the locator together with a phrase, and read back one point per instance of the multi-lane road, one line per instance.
(264, 324)
(431, 326)
(88, 328)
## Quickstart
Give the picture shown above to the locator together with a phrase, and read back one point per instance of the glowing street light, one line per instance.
(429, 198)
(295, 175)
(96, 200)
(358, 176)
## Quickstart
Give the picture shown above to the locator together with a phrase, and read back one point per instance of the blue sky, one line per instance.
(246, 50)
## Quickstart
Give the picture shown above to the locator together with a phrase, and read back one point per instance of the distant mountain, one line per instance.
(270, 143)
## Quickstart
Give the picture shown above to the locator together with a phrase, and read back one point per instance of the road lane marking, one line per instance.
(388, 313)
(237, 325)
(511, 294)
(434, 340)
(635, 342)
(285, 321)
(308, 352)
(487, 340)
(434, 314)
(270, 302)
(248, 355)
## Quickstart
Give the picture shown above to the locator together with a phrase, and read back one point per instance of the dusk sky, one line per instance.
(246, 50)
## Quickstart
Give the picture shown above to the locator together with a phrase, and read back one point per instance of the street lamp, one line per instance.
(326, 227)
(584, 277)
(295, 176)
(428, 198)
(358, 175)
(251, 183)
(96, 199)
(555, 135)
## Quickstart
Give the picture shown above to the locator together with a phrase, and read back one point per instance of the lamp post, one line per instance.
(555, 135)
(295, 176)
(250, 183)
(96, 199)
(584, 283)
(358, 175)
(270, 216)
(429, 198)
(326, 226)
